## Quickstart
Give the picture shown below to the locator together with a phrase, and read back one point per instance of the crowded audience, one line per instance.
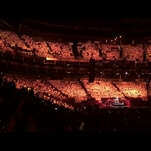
(68, 104)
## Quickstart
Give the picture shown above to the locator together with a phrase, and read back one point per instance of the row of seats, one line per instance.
(10, 41)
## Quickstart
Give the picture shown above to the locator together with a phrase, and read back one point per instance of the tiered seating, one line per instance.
(71, 88)
(61, 50)
(133, 89)
(90, 51)
(41, 89)
(148, 52)
(133, 52)
(101, 89)
(111, 51)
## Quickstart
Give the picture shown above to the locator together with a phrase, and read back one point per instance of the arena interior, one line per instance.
(75, 75)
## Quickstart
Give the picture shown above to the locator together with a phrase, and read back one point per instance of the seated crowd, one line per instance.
(10, 41)
(46, 115)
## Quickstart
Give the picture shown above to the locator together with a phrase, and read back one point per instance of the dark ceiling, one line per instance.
(88, 27)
